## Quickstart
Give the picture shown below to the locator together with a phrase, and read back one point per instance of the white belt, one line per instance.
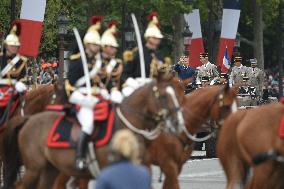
(8, 81)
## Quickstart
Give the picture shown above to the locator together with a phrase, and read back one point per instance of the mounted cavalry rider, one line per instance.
(207, 69)
(12, 65)
(238, 71)
(153, 37)
(11, 50)
(112, 67)
(92, 43)
(256, 76)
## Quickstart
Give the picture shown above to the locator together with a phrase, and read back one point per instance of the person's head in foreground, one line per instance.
(125, 146)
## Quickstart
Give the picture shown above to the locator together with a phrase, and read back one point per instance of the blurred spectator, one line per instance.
(124, 173)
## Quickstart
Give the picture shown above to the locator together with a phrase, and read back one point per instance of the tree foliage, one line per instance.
(80, 10)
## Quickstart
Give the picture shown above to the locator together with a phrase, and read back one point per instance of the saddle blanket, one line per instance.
(65, 130)
(281, 128)
(8, 99)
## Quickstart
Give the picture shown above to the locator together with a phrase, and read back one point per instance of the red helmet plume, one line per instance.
(95, 19)
(151, 15)
(112, 22)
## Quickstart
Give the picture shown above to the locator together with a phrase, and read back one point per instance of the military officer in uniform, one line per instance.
(238, 72)
(153, 37)
(256, 76)
(10, 51)
(92, 44)
(112, 67)
(207, 69)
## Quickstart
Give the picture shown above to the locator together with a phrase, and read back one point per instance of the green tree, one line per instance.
(258, 17)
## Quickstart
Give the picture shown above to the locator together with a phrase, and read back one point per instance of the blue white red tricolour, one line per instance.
(230, 22)
(226, 62)
(31, 18)
(193, 20)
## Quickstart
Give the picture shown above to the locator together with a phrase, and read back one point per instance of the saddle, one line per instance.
(65, 130)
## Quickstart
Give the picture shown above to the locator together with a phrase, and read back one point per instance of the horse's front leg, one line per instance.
(61, 181)
(171, 171)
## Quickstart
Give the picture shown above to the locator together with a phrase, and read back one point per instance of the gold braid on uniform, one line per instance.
(69, 88)
(154, 67)
(128, 55)
(157, 68)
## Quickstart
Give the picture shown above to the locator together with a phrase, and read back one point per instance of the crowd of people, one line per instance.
(115, 79)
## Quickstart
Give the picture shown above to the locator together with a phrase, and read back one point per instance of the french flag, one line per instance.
(226, 62)
(196, 47)
(230, 22)
(31, 18)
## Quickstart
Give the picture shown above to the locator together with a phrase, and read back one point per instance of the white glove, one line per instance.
(105, 94)
(116, 96)
(130, 82)
(20, 87)
(85, 101)
(126, 91)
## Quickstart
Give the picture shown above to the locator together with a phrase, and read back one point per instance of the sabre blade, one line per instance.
(140, 46)
(84, 61)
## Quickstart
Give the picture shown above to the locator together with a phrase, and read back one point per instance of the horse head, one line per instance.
(154, 106)
(60, 95)
(207, 107)
(224, 102)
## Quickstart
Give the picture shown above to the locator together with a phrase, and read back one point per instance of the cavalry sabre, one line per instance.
(140, 47)
(84, 61)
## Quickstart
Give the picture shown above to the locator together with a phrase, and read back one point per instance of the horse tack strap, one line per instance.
(55, 107)
(281, 128)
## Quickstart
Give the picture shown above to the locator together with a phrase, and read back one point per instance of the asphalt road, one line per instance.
(197, 174)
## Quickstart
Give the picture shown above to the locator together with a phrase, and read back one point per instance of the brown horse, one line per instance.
(248, 141)
(146, 108)
(31, 103)
(170, 151)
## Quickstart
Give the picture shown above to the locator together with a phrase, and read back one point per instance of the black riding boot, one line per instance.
(81, 151)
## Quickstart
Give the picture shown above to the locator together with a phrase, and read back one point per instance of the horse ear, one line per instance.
(227, 87)
(234, 91)
(58, 85)
(164, 76)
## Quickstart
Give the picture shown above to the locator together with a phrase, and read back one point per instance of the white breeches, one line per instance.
(86, 119)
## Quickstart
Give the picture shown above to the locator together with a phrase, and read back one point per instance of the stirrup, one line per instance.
(81, 164)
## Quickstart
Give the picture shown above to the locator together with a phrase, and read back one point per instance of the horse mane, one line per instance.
(40, 91)
(203, 93)
(137, 95)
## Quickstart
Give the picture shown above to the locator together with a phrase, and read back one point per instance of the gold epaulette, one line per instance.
(24, 59)
(128, 56)
(75, 56)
